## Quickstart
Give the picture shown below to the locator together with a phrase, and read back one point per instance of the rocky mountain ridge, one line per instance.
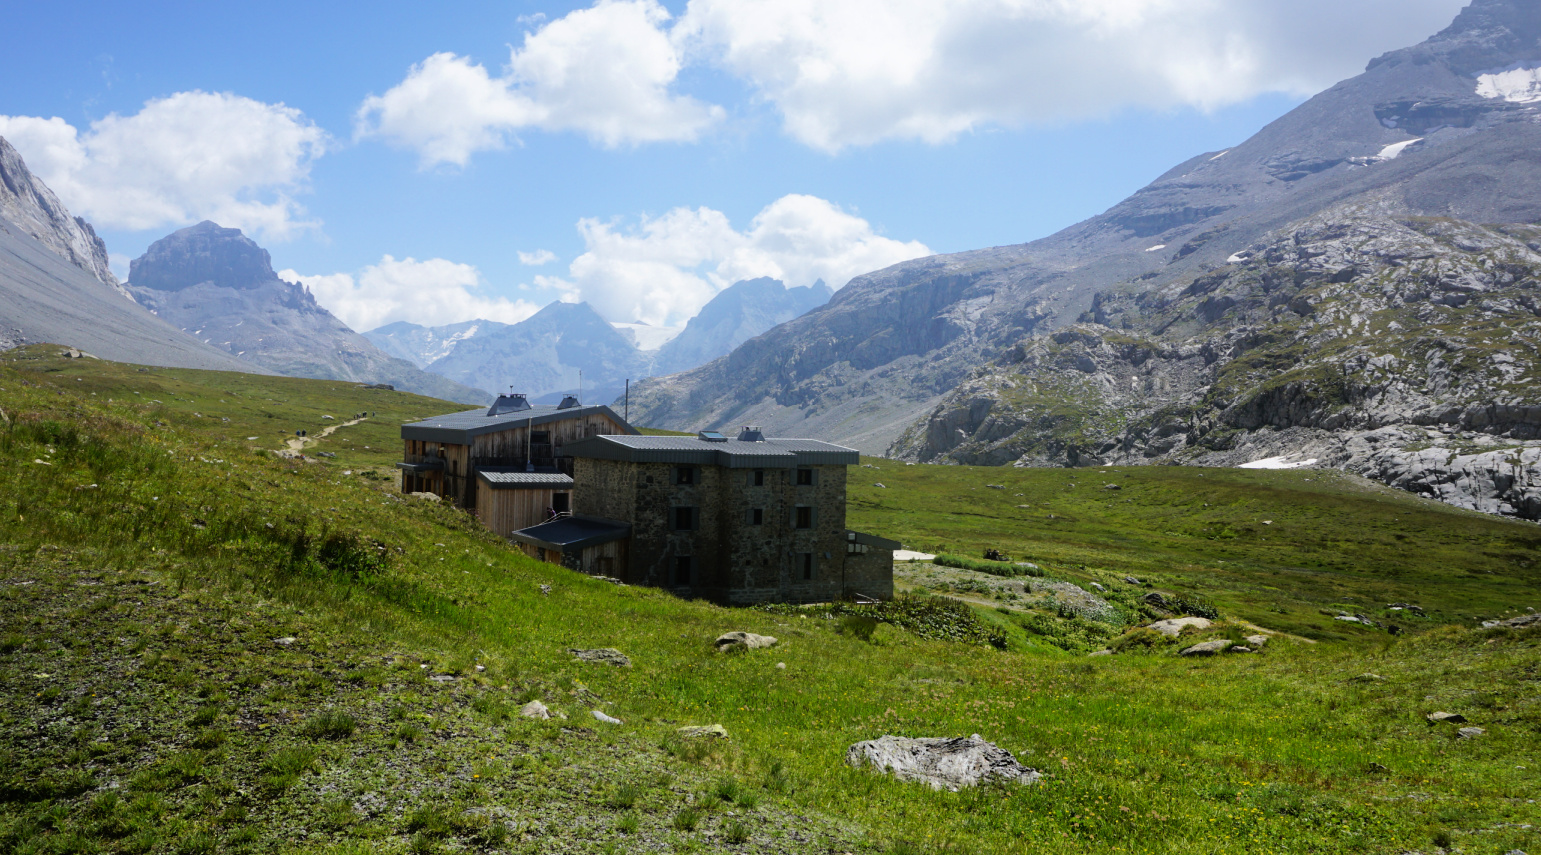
(1425, 131)
(27, 203)
(1404, 349)
(219, 286)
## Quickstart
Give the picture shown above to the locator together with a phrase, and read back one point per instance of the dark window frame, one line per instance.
(806, 477)
(684, 571)
(810, 566)
(757, 479)
(684, 476)
(803, 517)
(692, 517)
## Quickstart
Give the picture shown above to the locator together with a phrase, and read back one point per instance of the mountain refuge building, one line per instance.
(737, 521)
(507, 464)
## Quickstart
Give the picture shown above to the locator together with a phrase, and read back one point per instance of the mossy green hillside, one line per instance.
(1290, 750)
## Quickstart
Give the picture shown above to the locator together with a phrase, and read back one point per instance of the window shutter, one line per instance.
(813, 476)
(813, 514)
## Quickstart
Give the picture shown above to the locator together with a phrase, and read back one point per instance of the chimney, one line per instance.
(568, 402)
(751, 433)
(510, 403)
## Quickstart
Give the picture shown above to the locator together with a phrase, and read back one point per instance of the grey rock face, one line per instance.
(28, 204)
(422, 346)
(218, 285)
(890, 344)
(738, 313)
(949, 764)
(1353, 340)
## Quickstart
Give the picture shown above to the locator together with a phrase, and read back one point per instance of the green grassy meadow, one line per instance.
(150, 553)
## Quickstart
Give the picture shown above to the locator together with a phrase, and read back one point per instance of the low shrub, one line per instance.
(1007, 569)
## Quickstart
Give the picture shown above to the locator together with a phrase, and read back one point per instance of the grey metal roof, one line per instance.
(519, 479)
(873, 540)
(734, 454)
(571, 534)
(461, 428)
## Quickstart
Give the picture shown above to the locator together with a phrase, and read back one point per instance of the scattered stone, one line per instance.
(1157, 599)
(715, 731)
(1206, 648)
(1100, 653)
(996, 486)
(1521, 622)
(881, 484)
(1175, 626)
(942, 763)
(545, 589)
(607, 719)
(1131, 580)
(325, 454)
(442, 678)
(605, 655)
(748, 640)
(1239, 649)
(535, 709)
(1100, 589)
(328, 418)
(1470, 732)
(432, 497)
(285, 641)
(1367, 677)
(1256, 641)
(480, 668)
(1111, 487)
(781, 666)
(1445, 718)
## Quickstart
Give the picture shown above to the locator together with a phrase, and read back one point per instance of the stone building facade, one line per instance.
(736, 521)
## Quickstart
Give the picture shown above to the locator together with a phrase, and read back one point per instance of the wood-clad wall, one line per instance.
(508, 510)
(509, 444)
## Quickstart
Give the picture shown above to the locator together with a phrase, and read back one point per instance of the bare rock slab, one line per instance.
(604, 655)
(714, 731)
(1207, 648)
(943, 763)
(1445, 718)
(1175, 626)
(535, 709)
(745, 640)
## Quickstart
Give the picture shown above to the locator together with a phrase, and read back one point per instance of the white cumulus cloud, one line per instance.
(662, 270)
(605, 71)
(854, 72)
(432, 292)
(536, 258)
(181, 159)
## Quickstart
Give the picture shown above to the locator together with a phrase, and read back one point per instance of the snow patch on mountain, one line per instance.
(1390, 152)
(1519, 85)
(646, 336)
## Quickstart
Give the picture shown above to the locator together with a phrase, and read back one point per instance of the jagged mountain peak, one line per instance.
(206, 252)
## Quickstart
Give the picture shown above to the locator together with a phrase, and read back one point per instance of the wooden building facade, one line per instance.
(443, 455)
(511, 499)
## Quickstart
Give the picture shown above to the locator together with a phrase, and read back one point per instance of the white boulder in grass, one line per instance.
(942, 763)
(1175, 626)
(734, 640)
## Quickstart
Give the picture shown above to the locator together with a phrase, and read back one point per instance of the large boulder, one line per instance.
(1175, 626)
(743, 640)
(942, 763)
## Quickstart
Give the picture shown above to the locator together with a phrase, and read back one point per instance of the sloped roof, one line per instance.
(732, 453)
(571, 534)
(518, 479)
(460, 428)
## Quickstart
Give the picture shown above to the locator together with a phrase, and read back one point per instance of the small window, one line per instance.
(684, 519)
(540, 437)
(755, 516)
(802, 517)
(561, 502)
(759, 477)
(805, 477)
(684, 475)
(682, 568)
(808, 566)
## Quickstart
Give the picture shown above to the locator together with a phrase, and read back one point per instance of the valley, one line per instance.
(153, 554)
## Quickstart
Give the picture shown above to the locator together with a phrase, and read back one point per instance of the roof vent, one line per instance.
(568, 402)
(751, 433)
(506, 404)
(711, 436)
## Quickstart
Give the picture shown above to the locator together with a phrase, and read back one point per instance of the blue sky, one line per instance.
(438, 162)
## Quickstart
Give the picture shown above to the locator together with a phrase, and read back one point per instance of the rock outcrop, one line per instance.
(1403, 349)
(218, 285)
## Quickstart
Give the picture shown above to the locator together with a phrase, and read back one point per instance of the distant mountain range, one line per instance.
(1318, 292)
(543, 355)
(219, 286)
